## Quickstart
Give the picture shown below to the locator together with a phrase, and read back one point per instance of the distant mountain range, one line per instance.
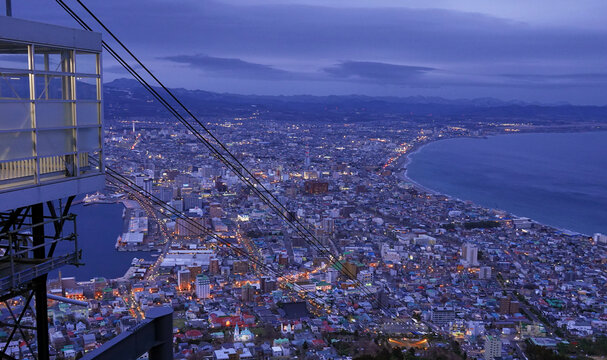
(127, 98)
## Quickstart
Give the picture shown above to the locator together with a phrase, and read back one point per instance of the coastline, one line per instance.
(406, 160)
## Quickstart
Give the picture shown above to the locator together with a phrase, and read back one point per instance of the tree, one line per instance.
(397, 354)
(410, 354)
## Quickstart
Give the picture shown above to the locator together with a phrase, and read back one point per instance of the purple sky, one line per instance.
(542, 50)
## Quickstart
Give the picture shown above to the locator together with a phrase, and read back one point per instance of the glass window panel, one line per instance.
(55, 142)
(52, 87)
(86, 63)
(86, 88)
(15, 115)
(16, 145)
(13, 56)
(87, 113)
(14, 86)
(52, 59)
(88, 139)
(52, 114)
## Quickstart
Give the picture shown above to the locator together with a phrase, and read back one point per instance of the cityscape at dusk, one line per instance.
(268, 179)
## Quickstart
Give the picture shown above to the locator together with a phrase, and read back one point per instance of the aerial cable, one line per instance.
(315, 242)
(119, 181)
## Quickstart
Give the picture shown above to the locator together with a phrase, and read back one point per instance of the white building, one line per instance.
(599, 238)
(484, 272)
(203, 287)
(470, 254)
(493, 347)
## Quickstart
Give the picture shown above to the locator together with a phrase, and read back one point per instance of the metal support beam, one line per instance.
(39, 285)
(10, 337)
(153, 335)
(67, 300)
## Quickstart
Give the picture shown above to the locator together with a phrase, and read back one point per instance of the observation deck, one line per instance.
(51, 144)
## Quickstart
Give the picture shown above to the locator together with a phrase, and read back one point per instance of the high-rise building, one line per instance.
(267, 284)
(493, 347)
(240, 267)
(307, 159)
(215, 210)
(328, 226)
(365, 277)
(507, 306)
(184, 279)
(484, 273)
(203, 287)
(316, 187)
(331, 275)
(214, 266)
(470, 254)
(350, 270)
(163, 193)
(192, 226)
(599, 238)
(147, 185)
(191, 201)
(140, 180)
(247, 293)
(442, 315)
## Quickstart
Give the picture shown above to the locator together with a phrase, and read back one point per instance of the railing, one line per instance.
(21, 172)
(17, 169)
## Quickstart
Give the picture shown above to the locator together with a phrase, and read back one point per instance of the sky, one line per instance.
(547, 51)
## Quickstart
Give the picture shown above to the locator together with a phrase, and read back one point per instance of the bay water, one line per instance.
(559, 179)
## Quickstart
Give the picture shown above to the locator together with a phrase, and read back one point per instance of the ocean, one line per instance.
(98, 226)
(559, 179)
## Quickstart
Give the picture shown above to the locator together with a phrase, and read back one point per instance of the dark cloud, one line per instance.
(470, 49)
(376, 71)
(230, 67)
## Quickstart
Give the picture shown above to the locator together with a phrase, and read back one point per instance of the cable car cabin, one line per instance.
(51, 125)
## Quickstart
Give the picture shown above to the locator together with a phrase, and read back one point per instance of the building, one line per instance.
(214, 266)
(242, 336)
(442, 315)
(203, 287)
(267, 284)
(331, 275)
(316, 187)
(484, 273)
(247, 293)
(599, 238)
(184, 279)
(350, 270)
(240, 267)
(470, 254)
(215, 210)
(190, 226)
(51, 139)
(365, 277)
(507, 306)
(191, 201)
(51, 150)
(493, 347)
